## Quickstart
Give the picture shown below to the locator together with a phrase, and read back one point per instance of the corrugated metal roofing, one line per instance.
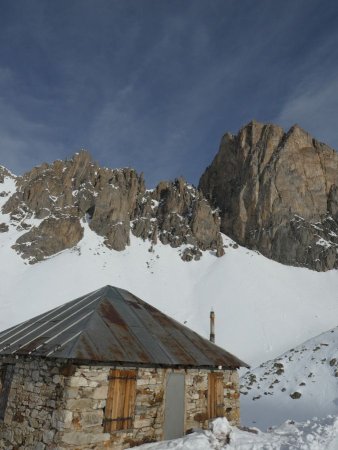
(112, 325)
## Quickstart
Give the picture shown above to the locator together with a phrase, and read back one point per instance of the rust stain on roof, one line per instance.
(109, 312)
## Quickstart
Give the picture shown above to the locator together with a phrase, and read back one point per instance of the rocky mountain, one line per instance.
(277, 193)
(302, 382)
(114, 202)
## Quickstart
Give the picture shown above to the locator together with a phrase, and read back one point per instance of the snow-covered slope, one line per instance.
(262, 307)
(302, 383)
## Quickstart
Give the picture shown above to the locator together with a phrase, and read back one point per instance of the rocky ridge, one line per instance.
(277, 193)
(114, 202)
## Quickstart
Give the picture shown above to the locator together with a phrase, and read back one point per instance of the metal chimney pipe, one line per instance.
(212, 326)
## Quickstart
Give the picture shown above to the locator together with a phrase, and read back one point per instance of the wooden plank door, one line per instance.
(215, 395)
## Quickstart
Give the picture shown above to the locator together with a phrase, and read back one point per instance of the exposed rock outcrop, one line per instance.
(50, 237)
(277, 193)
(3, 227)
(114, 202)
(178, 214)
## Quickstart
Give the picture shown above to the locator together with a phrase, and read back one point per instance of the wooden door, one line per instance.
(215, 395)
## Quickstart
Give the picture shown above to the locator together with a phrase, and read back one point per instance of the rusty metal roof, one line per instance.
(111, 325)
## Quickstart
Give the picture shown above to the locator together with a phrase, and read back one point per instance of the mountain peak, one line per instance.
(82, 156)
(278, 193)
(254, 123)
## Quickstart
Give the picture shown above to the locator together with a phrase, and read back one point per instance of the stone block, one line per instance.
(76, 381)
(71, 392)
(57, 379)
(80, 404)
(82, 438)
(47, 436)
(100, 393)
(35, 375)
(63, 417)
(90, 419)
(146, 422)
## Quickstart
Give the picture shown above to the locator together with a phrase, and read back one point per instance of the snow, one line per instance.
(7, 186)
(324, 243)
(318, 434)
(311, 369)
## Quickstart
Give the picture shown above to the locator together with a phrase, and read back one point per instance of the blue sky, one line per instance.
(154, 84)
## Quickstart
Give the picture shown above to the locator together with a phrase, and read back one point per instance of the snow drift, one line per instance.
(318, 434)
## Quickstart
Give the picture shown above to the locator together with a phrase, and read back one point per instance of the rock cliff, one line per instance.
(114, 202)
(278, 193)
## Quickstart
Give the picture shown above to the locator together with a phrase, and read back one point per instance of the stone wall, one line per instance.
(197, 398)
(54, 405)
(35, 394)
(85, 397)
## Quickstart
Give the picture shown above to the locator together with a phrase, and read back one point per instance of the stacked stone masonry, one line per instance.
(56, 405)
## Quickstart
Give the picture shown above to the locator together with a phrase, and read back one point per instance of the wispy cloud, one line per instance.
(312, 99)
(314, 105)
(154, 85)
(25, 143)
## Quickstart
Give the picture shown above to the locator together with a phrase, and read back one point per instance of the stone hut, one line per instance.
(108, 370)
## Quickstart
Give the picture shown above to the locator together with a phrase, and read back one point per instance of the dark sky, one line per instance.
(154, 84)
